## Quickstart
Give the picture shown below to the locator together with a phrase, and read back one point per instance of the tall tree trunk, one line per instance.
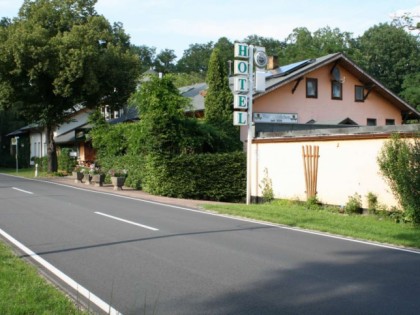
(51, 151)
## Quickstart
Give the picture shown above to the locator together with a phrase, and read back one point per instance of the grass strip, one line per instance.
(23, 172)
(365, 227)
(24, 291)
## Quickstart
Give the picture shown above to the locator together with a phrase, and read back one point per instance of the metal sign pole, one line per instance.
(244, 83)
(250, 135)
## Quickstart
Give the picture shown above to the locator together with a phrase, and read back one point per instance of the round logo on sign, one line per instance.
(260, 59)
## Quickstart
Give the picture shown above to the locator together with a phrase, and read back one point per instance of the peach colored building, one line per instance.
(327, 91)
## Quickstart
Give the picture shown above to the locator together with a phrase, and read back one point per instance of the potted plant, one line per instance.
(86, 175)
(97, 177)
(77, 174)
(118, 178)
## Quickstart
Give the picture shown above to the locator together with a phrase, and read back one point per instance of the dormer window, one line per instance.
(336, 90)
(311, 88)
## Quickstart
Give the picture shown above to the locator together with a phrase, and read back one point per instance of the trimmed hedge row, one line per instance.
(220, 176)
(134, 166)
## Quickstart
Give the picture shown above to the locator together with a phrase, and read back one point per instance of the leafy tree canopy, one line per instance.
(272, 46)
(219, 98)
(195, 58)
(146, 56)
(411, 89)
(162, 110)
(58, 54)
(389, 54)
(406, 21)
(301, 44)
(225, 47)
(165, 61)
(219, 103)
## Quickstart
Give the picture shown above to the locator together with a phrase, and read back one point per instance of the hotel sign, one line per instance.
(243, 82)
(244, 86)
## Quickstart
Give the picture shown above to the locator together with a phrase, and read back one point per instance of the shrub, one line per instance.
(267, 187)
(134, 166)
(42, 163)
(372, 201)
(219, 177)
(313, 203)
(399, 162)
(65, 161)
(354, 204)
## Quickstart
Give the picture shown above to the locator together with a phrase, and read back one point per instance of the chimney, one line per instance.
(273, 62)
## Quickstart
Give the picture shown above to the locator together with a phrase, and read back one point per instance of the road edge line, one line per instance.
(62, 276)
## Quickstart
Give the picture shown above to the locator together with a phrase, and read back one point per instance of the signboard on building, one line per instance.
(276, 118)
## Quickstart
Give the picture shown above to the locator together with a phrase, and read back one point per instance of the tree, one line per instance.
(146, 56)
(162, 112)
(272, 46)
(301, 44)
(219, 98)
(406, 20)
(389, 54)
(164, 61)
(9, 121)
(195, 58)
(411, 89)
(58, 55)
(225, 47)
(218, 105)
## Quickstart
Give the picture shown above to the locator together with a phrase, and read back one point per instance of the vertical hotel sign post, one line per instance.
(243, 88)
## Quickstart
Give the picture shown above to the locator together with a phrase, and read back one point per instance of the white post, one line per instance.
(250, 135)
(36, 170)
(17, 154)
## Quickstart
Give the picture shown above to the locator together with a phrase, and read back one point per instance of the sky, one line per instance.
(176, 24)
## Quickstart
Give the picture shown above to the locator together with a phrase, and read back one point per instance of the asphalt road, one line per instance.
(148, 258)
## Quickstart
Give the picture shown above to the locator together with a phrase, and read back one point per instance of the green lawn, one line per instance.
(24, 291)
(365, 227)
(24, 172)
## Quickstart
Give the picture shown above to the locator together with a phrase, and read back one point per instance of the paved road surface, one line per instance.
(149, 258)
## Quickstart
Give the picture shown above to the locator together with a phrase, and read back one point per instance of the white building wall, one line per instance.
(345, 167)
(38, 144)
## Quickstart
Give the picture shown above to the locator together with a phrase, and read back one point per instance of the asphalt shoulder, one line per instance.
(133, 193)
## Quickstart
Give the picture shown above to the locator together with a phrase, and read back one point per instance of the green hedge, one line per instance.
(219, 177)
(132, 164)
(65, 161)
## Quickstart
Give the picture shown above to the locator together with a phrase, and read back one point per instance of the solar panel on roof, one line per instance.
(284, 70)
